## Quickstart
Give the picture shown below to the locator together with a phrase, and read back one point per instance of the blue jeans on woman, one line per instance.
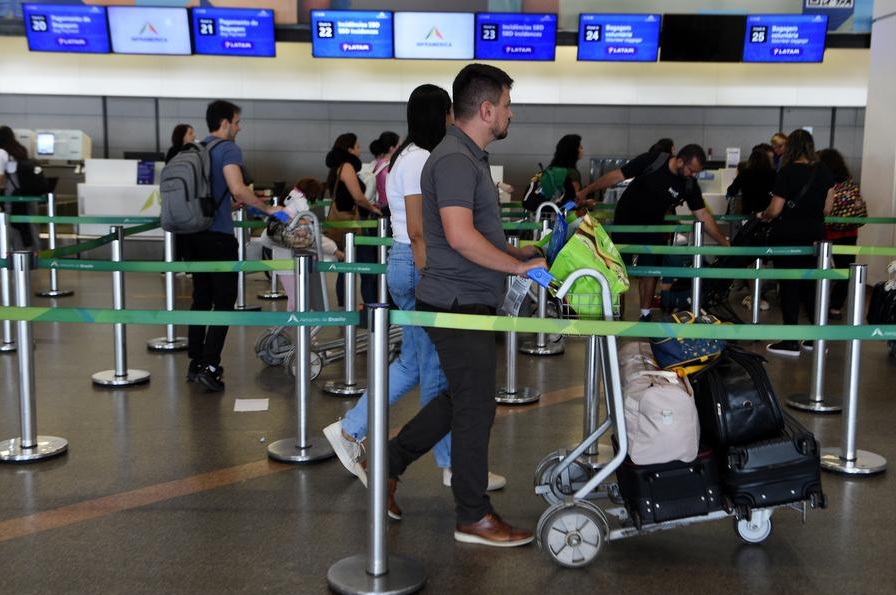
(417, 363)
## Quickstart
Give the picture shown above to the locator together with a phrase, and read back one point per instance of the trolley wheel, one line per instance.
(568, 480)
(273, 346)
(572, 533)
(756, 530)
(316, 364)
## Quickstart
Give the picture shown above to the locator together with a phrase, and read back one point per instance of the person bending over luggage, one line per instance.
(802, 196)
(660, 181)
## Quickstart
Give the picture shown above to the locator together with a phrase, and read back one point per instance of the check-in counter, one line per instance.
(110, 188)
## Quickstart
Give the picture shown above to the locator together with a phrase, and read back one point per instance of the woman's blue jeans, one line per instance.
(417, 363)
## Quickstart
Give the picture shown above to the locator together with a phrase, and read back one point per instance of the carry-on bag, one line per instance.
(779, 470)
(664, 492)
(735, 400)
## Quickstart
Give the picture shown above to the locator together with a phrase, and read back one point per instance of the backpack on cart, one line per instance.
(548, 185)
(188, 205)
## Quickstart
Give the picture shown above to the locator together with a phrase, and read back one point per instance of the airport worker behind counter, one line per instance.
(467, 260)
(660, 181)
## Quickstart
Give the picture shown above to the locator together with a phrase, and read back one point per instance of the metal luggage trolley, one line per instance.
(274, 346)
(573, 529)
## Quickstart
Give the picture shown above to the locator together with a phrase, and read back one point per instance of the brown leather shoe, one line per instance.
(391, 507)
(491, 530)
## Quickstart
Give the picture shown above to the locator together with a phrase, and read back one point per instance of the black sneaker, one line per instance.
(646, 317)
(789, 348)
(193, 370)
(210, 378)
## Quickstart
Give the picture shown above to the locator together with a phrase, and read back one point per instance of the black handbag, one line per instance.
(735, 400)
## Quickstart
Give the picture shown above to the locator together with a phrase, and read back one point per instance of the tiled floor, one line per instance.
(166, 489)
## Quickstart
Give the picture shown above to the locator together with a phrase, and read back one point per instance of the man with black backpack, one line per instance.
(661, 181)
(217, 291)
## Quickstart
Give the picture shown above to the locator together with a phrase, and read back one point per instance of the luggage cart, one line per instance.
(274, 346)
(573, 529)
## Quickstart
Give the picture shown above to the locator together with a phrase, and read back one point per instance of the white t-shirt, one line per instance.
(404, 180)
(7, 166)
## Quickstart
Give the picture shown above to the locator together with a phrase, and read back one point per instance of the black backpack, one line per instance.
(29, 179)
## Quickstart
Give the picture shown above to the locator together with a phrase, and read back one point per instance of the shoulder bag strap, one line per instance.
(790, 204)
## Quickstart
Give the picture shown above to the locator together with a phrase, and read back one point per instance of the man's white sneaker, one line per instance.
(347, 450)
(495, 481)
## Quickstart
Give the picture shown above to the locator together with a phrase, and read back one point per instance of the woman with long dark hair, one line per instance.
(182, 134)
(802, 195)
(567, 154)
(755, 180)
(848, 202)
(428, 114)
(349, 202)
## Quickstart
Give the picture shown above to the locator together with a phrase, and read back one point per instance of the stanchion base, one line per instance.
(46, 447)
(866, 463)
(520, 396)
(286, 450)
(533, 348)
(247, 308)
(342, 389)
(349, 576)
(54, 293)
(163, 344)
(272, 295)
(8, 347)
(804, 403)
(133, 377)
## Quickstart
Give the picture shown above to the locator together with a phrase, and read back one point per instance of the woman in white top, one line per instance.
(428, 115)
(23, 236)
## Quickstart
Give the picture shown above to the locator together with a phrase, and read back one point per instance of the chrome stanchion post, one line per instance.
(274, 292)
(170, 342)
(29, 446)
(511, 394)
(121, 375)
(7, 341)
(349, 386)
(382, 256)
(756, 304)
(847, 459)
(54, 291)
(377, 571)
(541, 346)
(241, 257)
(302, 449)
(814, 401)
(698, 264)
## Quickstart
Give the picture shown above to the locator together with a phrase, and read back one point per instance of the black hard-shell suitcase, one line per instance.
(735, 400)
(667, 491)
(775, 471)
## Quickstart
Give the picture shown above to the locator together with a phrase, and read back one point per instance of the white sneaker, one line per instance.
(347, 450)
(495, 481)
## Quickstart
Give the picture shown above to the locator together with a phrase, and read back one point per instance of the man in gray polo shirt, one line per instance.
(467, 260)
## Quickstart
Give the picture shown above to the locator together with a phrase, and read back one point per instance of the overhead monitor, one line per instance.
(619, 37)
(434, 35)
(66, 28)
(351, 34)
(234, 32)
(702, 38)
(785, 38)
(149, 30)
(514, 36)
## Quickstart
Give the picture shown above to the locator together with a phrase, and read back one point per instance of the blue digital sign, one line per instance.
(785, 38)
(351, 34)
(510, 36)
(234, 31)
(619, 37)
(66, 28)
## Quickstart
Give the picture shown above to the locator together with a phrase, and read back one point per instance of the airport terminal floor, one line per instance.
(166, 489)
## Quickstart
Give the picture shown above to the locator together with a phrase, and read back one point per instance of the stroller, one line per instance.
(714, 292)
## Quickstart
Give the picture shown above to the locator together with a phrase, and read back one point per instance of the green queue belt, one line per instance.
(717, 250)
(855, 220)
(254, 266)
(182, 317)
(456, 321)
(372, 241)
(110, 220)
(745, 273)
(23, 198)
